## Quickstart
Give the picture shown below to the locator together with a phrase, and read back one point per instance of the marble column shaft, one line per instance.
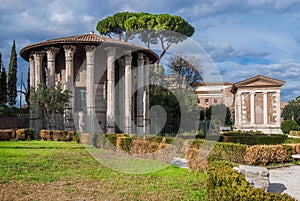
(51, 54)
(146, 96)
(140, 92)
(38, 63)
(110, 116)
(128, 94)
(90, 96)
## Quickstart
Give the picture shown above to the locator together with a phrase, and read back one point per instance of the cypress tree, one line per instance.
(12, 77)
(3, 85)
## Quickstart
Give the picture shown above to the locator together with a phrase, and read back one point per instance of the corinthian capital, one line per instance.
(51, 53)
(69, 51)
(38, 55)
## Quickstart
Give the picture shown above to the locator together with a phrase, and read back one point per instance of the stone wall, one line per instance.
(14, 122)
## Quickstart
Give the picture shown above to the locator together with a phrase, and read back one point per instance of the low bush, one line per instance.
(214, 151)
(24, 134)
(229, 151)
(253, 138)
(265, 154)
(194, 161)
(124, 143)
(289, 125)
(159, 139)
(225, 184)
(291, 140)
(59, 135)
(143, 146)
(295, 133)
(46, 134)
(6, 135)
(112, 138)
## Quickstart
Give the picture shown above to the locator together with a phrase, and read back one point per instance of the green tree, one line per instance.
(186, 68)
(289, 125)
(12, 77)
(219, 113)
(3, 84)
(292, 110)
(51, 100)
(151, 29)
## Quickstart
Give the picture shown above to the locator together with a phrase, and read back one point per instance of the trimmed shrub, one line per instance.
(112, 138)
(46, 134)
(229, 151)
(265, 154)
(59, 135)
(24, 134)
(159, 139)
(253, 139)
(6, 135)
(20, 134)
(295, 133)
(194, 161)
(289, 125)
(225, 184)
(221, 151)
(292, 140)
(143, 146)
(124, 143)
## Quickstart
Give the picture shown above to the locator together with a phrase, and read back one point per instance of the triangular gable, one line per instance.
(260, 81)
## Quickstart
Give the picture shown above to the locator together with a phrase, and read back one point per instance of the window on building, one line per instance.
(206, 101)
(215, 101)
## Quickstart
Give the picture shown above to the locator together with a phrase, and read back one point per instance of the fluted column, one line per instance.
(128, 93)
(32, 71)
(265, 110)
(38, 64)
(32, 86)
(39, 79)
(69, 85)
(90, 96)
(110, 117)
(69, 56)
(252, 107)
(146, 96)
(140, 93)
(51, 54)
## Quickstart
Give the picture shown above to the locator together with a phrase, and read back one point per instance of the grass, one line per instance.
(68, 169)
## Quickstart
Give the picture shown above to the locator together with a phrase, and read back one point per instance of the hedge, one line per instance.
(59, 135)
(24, 134)
(253, 138)
(295, 133)
(225, 184)
(6, 135)
(221, 151)
(241, 154)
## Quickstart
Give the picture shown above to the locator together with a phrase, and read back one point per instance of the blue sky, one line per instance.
(243, 38)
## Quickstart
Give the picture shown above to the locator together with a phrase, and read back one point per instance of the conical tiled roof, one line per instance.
(89, 38)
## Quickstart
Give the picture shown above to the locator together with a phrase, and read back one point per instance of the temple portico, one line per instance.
(257, 104)
(91, 74)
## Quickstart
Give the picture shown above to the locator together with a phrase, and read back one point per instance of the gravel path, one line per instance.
(285, 180)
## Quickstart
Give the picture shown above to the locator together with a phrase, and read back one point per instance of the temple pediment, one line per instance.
(259, 81)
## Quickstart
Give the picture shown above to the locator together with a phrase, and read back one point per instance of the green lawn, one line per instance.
(33, 170)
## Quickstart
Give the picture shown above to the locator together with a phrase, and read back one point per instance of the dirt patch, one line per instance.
(81, 190)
